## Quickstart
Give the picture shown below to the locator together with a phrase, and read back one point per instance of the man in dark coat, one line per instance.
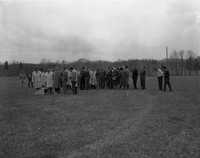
(143, 78)
(82, 79)
(166, 79)
(102, 78)
(64, 80)
(57, 80)
(74, 79)
(98, 78)
(135, 77)
(109, 79)
(87, 78)
(30, 83)
(115, 76)
(126, 77)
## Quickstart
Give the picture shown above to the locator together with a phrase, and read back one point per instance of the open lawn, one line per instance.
(101, 123)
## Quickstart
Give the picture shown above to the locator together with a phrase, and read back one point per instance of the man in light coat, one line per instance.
(74, 79)
(49, 81)
(93, 80)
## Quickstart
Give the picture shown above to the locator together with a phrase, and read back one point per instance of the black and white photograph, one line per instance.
(99, 78)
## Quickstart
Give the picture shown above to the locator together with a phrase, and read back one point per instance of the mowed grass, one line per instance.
(101, 123)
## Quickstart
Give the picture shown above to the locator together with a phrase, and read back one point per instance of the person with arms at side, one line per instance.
(49, 84)
(64, 80)
(87, 79)
(74, 79)
(37, 79)
(143, 78)
(82, 78)
(135, 77)
(22, 79)
(160, 75)
(167, 79)
(29, 78)
(93, 80)
(57, 78)
(126, 70)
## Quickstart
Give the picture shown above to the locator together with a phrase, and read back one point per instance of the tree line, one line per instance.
(179, 63)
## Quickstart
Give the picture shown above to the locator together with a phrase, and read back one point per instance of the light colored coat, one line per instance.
(49, 77)
(93, 80)
(43, 79)
(69, 81)
(37, 79)
(160, 73)
(56, 79)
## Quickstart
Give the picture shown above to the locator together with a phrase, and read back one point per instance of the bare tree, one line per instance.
(174, 57)
(190, 54)
(181, 54)
(190, 61)
(44, 61)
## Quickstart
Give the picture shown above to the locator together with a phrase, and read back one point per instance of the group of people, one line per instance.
(60, 81)
(163, 74)
(54, 80)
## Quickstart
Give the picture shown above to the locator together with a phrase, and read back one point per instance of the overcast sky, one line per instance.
(96, 29)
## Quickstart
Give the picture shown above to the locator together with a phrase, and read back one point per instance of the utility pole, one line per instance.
(166, 51)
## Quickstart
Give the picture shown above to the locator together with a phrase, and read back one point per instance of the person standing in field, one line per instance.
(22, 79)
(79, 78)
(36, 77)
(143, 78)
(167, 79)
(122, 78)
(109, 78)
(87, 78)
(135, 77)
(30, 83)
(126, 71)
(49, 82)
(64, 80)
(69, 80)
(33, 77)
(74, 79)
(57, 79)
(98, 78)
(43, 78)
(103, 78)
(93, 80)
(160, 75)
(82, 79)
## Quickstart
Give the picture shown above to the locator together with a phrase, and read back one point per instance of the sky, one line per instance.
(32, 30)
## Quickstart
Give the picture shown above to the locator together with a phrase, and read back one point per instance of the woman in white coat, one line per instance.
(36, 77)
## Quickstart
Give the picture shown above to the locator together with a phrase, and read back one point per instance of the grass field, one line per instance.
(101, 123)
